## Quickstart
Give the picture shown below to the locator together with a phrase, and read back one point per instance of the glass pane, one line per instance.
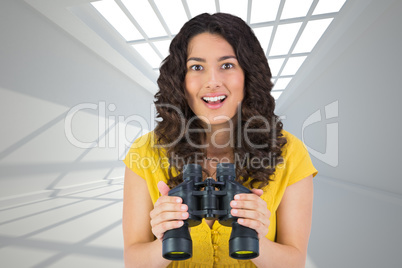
(146, 51)
(173, 14)
(284, 38)
(237, 7)
(296, 8)
(264, 10)
(276, 94)
(275, 65)
(116, 17)
(264, 35)
(146, 17)
(293, 65)
(328, 6)
(198, 7)
(163, 47)
(311, 34)
(281, 83)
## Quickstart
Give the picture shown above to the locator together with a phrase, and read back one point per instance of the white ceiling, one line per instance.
(134, 35)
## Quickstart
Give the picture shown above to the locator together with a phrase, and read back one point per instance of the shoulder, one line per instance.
(148, 161)
(145, 141)
(293, 145)
(144, 150)
(145, 144)
(290, 137)
(297, 163)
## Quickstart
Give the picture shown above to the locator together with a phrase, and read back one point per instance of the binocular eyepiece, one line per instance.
(209, 199)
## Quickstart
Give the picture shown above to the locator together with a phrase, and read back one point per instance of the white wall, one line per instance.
(358, 204)
(44, 73)
(356, 74)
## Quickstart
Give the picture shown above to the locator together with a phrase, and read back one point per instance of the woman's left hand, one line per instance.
(252, 211)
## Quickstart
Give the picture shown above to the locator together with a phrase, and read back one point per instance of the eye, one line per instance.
(197, 68)
(227, 66)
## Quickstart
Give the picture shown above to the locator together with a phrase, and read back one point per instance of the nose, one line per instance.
(213, 79)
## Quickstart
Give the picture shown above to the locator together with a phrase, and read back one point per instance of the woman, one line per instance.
(215, 105)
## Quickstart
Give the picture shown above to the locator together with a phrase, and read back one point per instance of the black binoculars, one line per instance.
(209, 199)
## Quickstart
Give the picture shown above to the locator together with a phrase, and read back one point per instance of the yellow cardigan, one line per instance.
(211, 246)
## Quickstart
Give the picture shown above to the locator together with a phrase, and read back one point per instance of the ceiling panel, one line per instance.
(287, 30)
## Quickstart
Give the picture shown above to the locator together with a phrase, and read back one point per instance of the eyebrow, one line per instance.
(203, 60)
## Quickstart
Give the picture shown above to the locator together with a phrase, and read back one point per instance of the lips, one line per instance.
(214, 101)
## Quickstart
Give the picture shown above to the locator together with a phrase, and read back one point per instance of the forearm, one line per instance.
(275, 255)
(145, 255)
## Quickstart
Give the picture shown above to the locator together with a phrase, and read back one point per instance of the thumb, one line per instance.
(258, 192)
(163, 188)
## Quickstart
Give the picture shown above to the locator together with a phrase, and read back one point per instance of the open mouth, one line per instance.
(214, 100)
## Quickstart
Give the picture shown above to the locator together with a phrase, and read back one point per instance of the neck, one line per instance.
(220, 140)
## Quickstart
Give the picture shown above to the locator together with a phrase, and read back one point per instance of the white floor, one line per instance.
(77, 230)
(353, 226)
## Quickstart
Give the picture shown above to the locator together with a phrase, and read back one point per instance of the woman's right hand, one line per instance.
(169, 212)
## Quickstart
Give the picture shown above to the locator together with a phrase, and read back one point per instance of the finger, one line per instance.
(247, 196)
(169, 216)
(249, 201)
(167, 207)
(258, 192)
(259, 205)
(163, 188)
(240, 200)
(168, 199)
(160, 229)
(259, 227)
(247, 214)
(242, 209)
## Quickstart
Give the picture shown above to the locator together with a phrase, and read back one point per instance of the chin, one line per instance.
(222, 121)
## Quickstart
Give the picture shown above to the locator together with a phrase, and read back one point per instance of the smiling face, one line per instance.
(214, 80)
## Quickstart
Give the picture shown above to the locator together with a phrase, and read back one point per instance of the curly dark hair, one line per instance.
(257, 107)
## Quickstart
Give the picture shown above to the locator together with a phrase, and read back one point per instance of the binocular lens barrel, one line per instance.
(243, 242)
(177, 244)
(192, 170)
(226, 169)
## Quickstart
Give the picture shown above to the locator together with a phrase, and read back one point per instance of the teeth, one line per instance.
(214, 99)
